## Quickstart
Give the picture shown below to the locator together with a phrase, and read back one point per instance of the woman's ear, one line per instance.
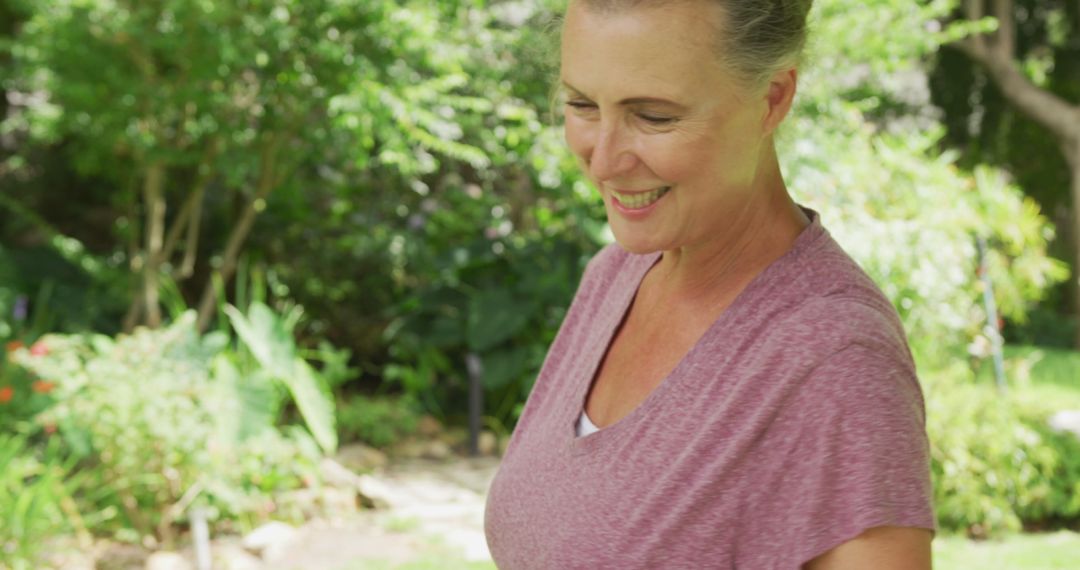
(779, 95)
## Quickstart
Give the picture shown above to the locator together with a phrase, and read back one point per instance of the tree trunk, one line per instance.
(995, 53)
(1074, 231)
(190, 214)
(154, 198)
(268, 179)
(134, 253)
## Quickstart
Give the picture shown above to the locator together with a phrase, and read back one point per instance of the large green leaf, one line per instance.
(266, 336)
(269, 338)
(246, 405)
(444, 332)
(315, 403)
(504, 366)
(494, 316)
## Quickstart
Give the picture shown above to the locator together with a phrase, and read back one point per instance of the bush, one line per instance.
(163, 419)
(22, 396)
(997, 466)
(32, 490)
(378, 420)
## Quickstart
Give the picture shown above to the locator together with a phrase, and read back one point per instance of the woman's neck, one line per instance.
(714, 272)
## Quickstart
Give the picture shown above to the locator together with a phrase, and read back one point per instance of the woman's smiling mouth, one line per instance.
(638, 200)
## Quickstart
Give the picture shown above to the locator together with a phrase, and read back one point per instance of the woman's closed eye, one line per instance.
(657, 120)
(650, 118)
(582, 105)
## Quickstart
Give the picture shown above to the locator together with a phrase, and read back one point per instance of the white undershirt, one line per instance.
(585, 425)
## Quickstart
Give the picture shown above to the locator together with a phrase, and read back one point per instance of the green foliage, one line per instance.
(33, 485)
(378, 421)
(504, 308)
(1047, 374)
(160, 419)
(56, 287)
(862, 148)
(984, 127)
(22, 396)
(996, 463)
(270, 339)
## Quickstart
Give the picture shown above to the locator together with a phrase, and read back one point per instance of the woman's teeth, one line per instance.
(640, 199)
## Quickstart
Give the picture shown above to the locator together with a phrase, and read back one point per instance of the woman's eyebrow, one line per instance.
(631, 100)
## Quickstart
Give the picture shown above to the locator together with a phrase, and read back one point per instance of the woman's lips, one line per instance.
(639, 200)
(637, 205)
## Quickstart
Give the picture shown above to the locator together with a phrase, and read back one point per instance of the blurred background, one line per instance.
(254, 252)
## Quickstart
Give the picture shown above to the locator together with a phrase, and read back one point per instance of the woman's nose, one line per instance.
(612, 154)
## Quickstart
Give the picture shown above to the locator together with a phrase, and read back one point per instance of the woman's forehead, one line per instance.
(666, 52)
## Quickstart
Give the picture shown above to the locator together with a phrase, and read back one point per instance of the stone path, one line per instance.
(432, 505)
(433, 510)
(446, 499)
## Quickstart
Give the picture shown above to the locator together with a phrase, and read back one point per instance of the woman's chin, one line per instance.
(637, 244)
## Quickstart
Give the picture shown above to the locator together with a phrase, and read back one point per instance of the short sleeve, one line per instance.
(861, 452)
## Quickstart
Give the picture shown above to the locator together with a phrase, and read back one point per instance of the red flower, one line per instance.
(39, 349)
(43, 387)
(50, 428)
(6, 394)
(14, 345)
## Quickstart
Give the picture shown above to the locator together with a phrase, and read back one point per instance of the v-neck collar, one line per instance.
(614, 309)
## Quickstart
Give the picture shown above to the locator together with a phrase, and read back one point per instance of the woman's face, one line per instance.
(669, 137)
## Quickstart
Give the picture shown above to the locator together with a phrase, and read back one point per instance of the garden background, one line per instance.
(236, 235)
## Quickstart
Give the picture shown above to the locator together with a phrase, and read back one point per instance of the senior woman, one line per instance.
(728, 388)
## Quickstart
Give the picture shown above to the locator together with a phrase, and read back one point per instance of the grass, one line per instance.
(1040, 373)
(1050, 551)
(1048, 378)
(1045, 551)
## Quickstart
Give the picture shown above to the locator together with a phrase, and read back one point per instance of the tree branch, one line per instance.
(191, 245)
(974, 11)
(190, 214)
(1005, 37)
(154, 198)
(1049, 110)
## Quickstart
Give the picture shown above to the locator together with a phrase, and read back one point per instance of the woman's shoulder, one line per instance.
(839, 305)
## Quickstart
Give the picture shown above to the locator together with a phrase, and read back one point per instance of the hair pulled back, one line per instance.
(758, 38)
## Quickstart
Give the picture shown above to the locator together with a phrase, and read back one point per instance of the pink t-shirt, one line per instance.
(793, 425)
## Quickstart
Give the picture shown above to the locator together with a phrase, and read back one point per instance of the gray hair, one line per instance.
(758, 39)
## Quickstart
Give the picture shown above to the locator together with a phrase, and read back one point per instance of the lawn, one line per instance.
(1048, 378)
(1040, 373)
(1045, 551)
(1050, 551)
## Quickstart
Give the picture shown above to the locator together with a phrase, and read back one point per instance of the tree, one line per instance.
(218, 105)
(997, 52)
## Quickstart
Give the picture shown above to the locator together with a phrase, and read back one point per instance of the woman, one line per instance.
(728, 389)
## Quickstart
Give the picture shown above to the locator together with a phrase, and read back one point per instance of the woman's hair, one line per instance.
(759, 37)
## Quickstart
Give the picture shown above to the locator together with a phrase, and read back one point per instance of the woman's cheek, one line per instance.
(672, 161)
(576, 132)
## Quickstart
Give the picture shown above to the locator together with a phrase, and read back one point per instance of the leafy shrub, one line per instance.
(501, 305)
(996, 464)
(32, 490)
(161, 419)
(269, 339)
(377, 420)
(21, 395)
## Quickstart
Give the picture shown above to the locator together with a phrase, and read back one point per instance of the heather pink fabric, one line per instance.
(794, 424)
